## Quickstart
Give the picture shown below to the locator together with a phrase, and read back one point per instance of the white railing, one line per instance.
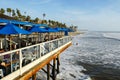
(18, 61)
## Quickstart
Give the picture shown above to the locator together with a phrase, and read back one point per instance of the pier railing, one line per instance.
(17, 62)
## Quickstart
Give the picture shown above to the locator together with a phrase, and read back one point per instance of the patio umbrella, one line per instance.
(50, 30)
(37, 29)
(12, 29)
(59, 30)
(65, 30)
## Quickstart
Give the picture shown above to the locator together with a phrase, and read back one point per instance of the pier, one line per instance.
(23, 63)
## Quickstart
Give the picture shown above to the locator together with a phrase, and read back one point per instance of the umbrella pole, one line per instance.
(10, 42)
(36, 38)
(5, 42)
(19, 35)
(27, 40)
(48, 36)
(39, 37)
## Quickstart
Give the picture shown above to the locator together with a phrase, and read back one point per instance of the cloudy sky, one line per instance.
(100, 15)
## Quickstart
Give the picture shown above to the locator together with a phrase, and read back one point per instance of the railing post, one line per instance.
(49, 46)
(39, 50)
(11, 63)
(20, 60)
(58, 43)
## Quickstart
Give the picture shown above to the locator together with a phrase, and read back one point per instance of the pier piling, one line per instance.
(53, 69)
(48, 71)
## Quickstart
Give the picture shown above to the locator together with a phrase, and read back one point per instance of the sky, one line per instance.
(93, 15)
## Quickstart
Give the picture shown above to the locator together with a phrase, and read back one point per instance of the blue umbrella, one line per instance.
(51, 29)
(58, 29)
(64, 29)
(37, 29)
(44, 25)
(15, 22)
(70, 30)
(12, 29)
(4, 21)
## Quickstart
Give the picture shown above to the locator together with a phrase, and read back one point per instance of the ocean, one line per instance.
(99, 54)
(92, 56)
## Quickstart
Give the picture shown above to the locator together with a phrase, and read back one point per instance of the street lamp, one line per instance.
(44, 15)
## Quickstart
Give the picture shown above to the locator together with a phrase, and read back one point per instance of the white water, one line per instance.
(112, 35)
(68, 68)
(93, 48)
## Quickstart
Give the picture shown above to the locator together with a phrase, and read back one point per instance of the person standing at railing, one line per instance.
(13, 46)
(46, 38)
(15, 56)
(2, 66)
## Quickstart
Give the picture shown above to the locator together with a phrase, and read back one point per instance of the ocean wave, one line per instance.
(101, 51)
(112, 35)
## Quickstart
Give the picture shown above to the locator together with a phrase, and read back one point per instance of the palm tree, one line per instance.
(13, 13)
(23, 17)
(9, 11)
(18, 13)
(2, 11)
(44, 21)
(28, 18)
(36, 20)
(16, 18)
(64, 25)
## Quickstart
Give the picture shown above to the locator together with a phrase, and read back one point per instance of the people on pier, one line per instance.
(46, 38)
(2, 66)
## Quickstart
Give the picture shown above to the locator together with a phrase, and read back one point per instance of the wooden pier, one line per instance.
(48, 59)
